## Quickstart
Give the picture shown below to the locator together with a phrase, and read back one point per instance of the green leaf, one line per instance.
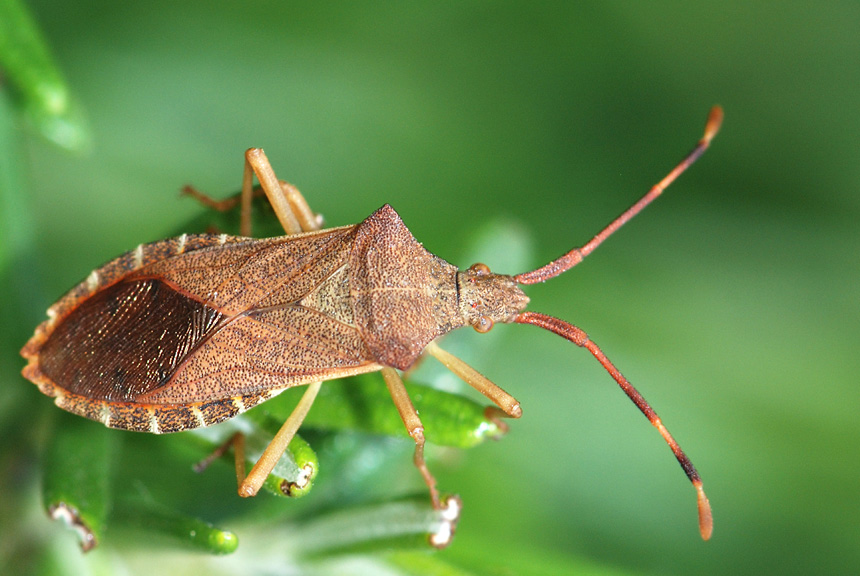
(28, 64)
(398, 524)
(172, 526)
(76, 470)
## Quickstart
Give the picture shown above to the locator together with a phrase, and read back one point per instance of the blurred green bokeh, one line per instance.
(733, 303)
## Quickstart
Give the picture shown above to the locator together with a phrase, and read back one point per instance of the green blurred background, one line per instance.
(732, 303)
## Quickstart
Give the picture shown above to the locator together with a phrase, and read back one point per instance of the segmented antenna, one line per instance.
(580, 338)
(575, 256)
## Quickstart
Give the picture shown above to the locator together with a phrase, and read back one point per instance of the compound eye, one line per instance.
(480, 269)
(483, 325)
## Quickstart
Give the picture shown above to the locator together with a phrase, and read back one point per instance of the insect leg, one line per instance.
(250, 485)
(237, 442)
(224, 205)
(290, 206)
(507, 403)
(413, 426)
(288, 203)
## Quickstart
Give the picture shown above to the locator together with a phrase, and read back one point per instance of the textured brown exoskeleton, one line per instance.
(191, 331)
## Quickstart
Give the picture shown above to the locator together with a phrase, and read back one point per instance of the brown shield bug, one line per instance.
(191, 331)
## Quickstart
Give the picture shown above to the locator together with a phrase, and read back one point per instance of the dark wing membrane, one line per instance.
(124, 341)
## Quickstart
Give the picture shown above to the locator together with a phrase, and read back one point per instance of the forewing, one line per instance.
(221, 320)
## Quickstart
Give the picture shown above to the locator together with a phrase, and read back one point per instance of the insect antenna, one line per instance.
(575, 256)
(580, 338)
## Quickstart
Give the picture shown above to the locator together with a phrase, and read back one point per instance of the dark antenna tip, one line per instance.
(576, 335)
